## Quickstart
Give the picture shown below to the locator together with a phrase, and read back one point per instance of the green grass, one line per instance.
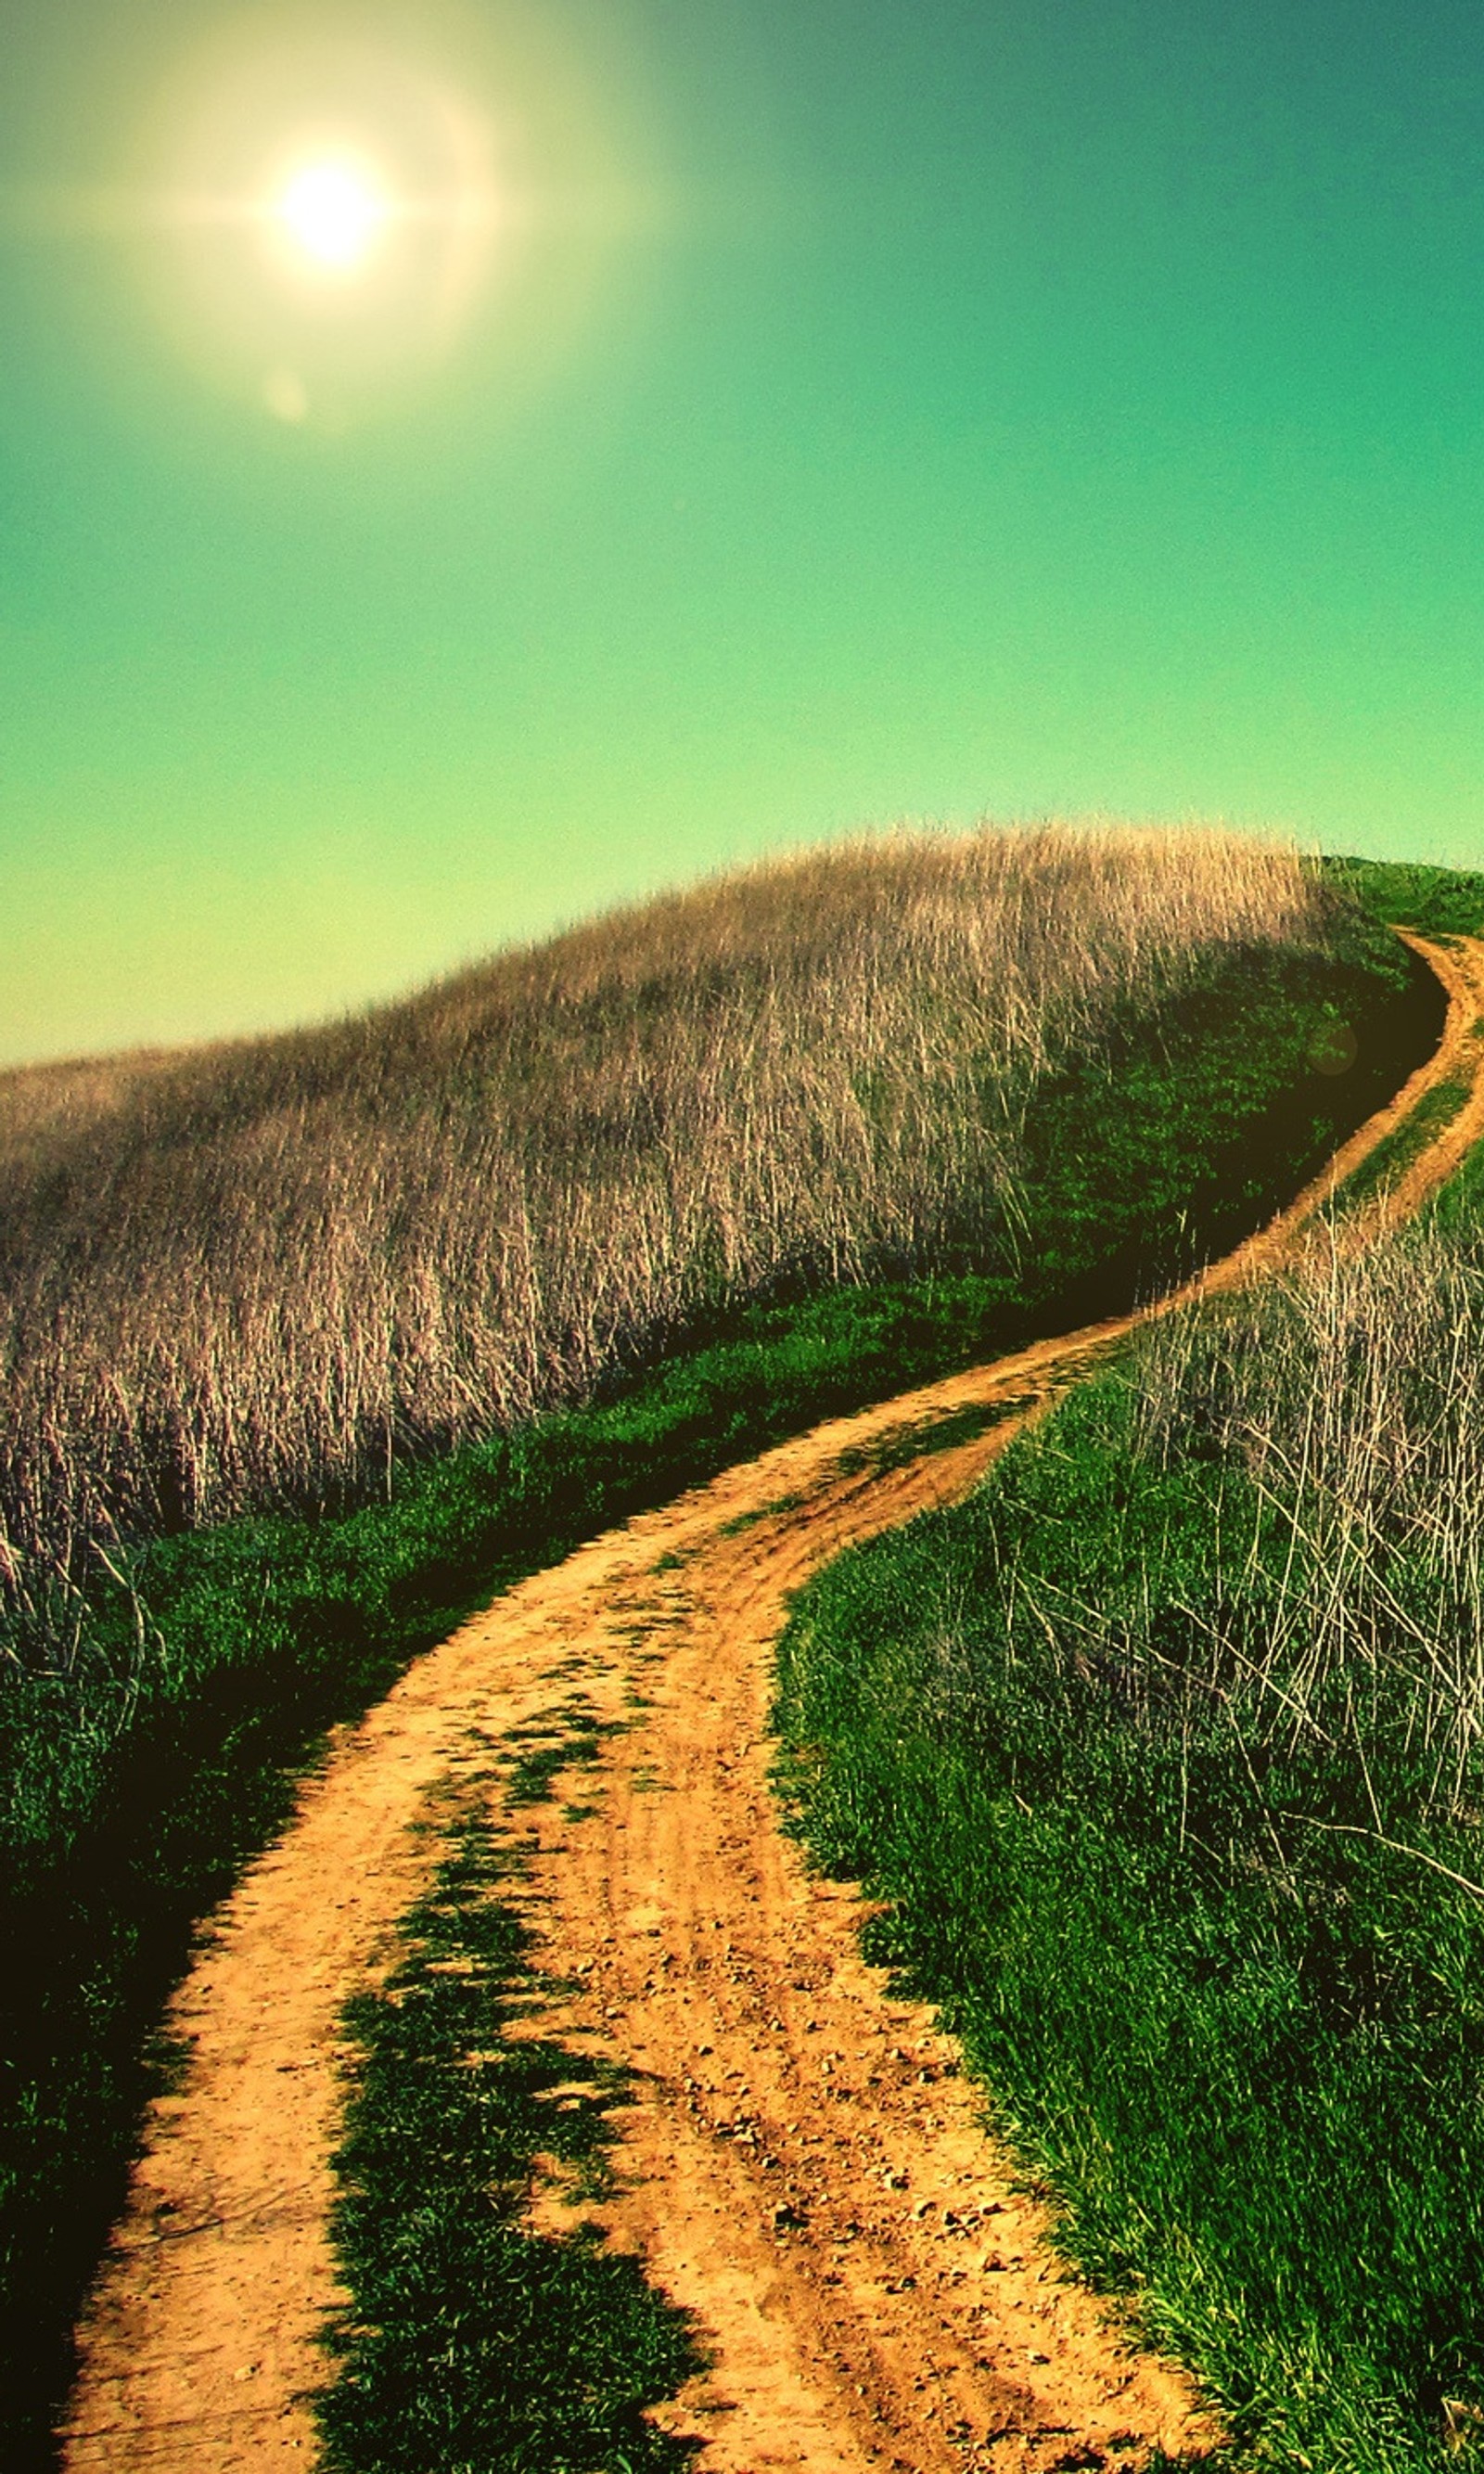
(746, 1520)
(908, 1444)
(543, 1750)
(469, 2340)
(150, 1734)
(1394, 1155)
(1460, 1206)
(1405, 894)
(1436, 901)
(1240, 2038)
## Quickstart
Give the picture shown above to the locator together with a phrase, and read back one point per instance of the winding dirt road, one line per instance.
(803, 2167)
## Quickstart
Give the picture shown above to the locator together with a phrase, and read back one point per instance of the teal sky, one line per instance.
(888, 408)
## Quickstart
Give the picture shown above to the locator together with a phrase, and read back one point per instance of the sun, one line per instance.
(334, 211)
(324, 221)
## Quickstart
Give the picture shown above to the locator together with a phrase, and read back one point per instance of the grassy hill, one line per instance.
(1170, 1746)
(251, 1276)
(311, 1343)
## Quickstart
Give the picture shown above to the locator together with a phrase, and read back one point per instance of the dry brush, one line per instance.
(1348, 1400)
(252, 1275)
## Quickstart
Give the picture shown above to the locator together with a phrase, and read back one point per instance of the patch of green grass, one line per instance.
(773, 1510)
(1393, 1157)
(904, 1444)
(571, 1733)
(1233, 2024)
(470, 2340)
(1403, 893)
(150, 1736)
(1459, 1207)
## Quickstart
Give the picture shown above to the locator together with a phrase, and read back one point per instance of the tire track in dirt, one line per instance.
(802, 2167)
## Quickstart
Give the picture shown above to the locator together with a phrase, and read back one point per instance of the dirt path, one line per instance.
(803, 2167)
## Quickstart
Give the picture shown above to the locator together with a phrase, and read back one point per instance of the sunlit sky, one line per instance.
(460, 467)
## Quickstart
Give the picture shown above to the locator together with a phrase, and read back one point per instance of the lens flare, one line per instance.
(334, 212)
(336, 215)
(323, 214)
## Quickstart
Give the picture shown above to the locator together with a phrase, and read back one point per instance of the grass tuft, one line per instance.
(471, 2339)
(1391, 1157)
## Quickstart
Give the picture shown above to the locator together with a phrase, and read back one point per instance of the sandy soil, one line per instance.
(803, 2167)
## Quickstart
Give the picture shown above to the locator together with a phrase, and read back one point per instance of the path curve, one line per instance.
(803, 2167)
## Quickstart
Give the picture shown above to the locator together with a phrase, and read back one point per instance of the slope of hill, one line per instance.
(605, 1217)
(620, 1963)
(255, 1275)
(1198, 1674)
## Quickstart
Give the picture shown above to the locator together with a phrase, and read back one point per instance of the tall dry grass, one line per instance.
(41, 1106)
(1343, 1606)
(255, 1272)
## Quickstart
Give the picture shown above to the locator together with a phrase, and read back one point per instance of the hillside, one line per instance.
(259, 1275)
(422, 1301)
(1198, 1674)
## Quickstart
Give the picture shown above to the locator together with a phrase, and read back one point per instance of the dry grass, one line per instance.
(1350, 1400)
(42, 1105)
(245, 1275)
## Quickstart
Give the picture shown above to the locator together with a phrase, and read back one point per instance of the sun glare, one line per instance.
(327, 219)
(334, 212)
